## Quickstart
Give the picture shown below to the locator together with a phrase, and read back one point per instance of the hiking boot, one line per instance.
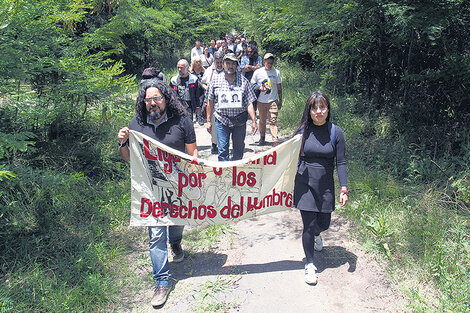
(310, 274)
(178, 253)
(261, 141)
(214, 149)
(318, 243)
(160, 295)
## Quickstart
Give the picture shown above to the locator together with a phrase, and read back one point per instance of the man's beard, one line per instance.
(183, 74)
(155, 115)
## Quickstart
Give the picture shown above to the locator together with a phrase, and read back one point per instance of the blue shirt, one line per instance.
(150, 122)
(246, 61)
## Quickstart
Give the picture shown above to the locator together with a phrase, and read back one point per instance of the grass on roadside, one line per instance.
(59, 246)
(423, 238)
(419, 229)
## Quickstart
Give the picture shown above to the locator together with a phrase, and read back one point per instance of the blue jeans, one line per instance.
(223, 140)
(159, 252)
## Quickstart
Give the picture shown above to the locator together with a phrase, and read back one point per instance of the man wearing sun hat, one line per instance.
(230, 115)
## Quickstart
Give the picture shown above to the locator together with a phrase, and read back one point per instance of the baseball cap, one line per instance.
(268, 55)
(230, 56)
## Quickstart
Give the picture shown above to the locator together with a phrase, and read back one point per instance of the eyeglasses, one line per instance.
(154, 99)
(249, 52)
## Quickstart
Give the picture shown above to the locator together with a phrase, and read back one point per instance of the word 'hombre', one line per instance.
(231, 210)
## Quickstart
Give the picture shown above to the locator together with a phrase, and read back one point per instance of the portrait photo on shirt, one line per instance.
(230, 98)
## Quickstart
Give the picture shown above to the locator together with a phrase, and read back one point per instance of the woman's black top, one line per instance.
(314, 185)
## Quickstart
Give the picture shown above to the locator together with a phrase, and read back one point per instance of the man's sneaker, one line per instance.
(177, 251)
(310, 274)
(214, 149)
(318, 243)
(160, 295)
(261, 141)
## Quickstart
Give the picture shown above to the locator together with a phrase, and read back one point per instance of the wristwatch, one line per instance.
(122, 144)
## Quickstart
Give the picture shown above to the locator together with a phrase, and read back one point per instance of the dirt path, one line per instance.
(259, 268)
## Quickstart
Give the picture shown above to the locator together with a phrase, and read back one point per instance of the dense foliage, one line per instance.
(405, 64)
(66, 82)
(406, 57)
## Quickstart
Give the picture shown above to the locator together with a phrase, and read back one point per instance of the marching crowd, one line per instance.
(228, 104)
(224, 84)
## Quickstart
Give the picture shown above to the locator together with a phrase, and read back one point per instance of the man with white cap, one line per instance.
(230, 115)
(269, 102)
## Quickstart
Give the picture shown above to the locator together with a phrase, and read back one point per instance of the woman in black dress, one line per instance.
(314, 195)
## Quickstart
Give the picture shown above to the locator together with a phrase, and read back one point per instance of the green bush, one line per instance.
(58, 251)
(420, 229)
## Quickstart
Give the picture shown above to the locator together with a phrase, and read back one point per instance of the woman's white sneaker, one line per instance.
(318, 243)
(310, 274)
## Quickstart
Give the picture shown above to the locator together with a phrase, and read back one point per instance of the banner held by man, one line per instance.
(170, 188)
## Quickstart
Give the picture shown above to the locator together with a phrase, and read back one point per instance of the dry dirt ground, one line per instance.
(259, 267)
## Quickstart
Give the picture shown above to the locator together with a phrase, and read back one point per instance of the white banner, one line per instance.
(170, 188)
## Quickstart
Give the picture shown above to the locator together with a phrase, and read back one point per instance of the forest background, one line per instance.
(398, 73)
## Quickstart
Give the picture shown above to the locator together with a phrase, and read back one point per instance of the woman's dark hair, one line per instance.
(173, 103)
(306, 120)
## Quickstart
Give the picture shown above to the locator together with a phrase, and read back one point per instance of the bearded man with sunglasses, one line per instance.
(160, 115)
